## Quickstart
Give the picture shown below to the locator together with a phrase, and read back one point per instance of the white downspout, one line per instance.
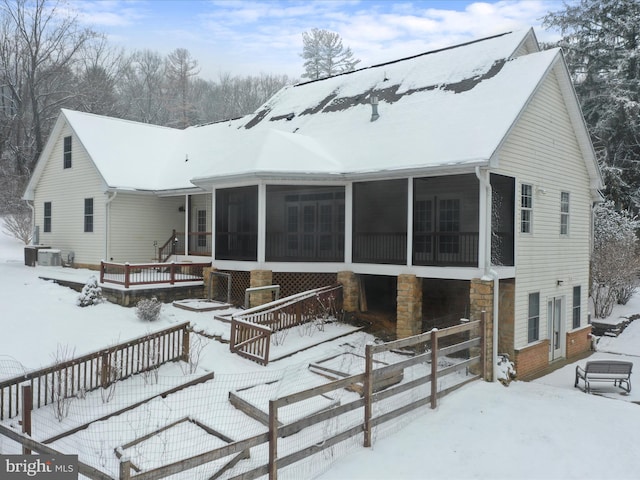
(488, 271)
(106, 223)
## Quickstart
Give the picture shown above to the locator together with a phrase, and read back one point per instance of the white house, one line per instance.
(464, 176)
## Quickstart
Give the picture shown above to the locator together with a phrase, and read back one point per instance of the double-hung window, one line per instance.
(564, 213)
(88, 214)
(66, 154)
(533, 324)
(47, 217)
(576, 306)
(526, 208)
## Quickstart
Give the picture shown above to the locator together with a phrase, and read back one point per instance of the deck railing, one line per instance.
(96, 370)
(251, 329)
(129, 274)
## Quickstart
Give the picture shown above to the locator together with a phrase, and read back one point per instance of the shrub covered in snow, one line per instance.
(148, 310)
(506, 371)
(91, 293)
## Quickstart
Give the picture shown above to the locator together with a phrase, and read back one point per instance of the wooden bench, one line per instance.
(615, 371)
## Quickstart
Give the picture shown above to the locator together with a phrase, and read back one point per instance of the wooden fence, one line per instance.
(467, 338)
(129, 274)
(251, 329)
(97, 369)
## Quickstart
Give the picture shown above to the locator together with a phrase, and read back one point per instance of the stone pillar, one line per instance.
(349, 282)
(260, 278)
(506, 318)
(409, 306)
(481, 300)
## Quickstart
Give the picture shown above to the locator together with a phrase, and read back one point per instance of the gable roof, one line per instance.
(440, 111)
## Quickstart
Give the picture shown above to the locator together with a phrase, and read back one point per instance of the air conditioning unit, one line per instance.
(49, 258)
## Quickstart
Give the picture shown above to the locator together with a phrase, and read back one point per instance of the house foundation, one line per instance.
(532, 359)
(578, 341)
(409, 306)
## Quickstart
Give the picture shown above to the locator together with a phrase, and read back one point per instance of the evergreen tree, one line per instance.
(324, 55)
(601, 41)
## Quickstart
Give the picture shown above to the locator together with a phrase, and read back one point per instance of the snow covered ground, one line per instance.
(542, 429)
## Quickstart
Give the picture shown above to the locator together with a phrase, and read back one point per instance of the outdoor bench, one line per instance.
(615, 371)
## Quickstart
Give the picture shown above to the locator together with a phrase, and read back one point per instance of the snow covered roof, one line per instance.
(443, 110)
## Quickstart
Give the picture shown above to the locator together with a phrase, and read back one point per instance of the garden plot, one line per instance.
(254, 402)
(201, 305)
(347, 364)
(143, 452)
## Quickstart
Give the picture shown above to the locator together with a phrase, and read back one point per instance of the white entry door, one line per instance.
(556, 337)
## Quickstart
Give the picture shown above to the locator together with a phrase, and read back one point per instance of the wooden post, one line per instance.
(368, 392)
(104, 372)
(172, 274)
(27, 406)
(101, 271)
(185, 344)
(434, 368)
(483, 349)
(273, 440)
(125, 470)
(127, 272)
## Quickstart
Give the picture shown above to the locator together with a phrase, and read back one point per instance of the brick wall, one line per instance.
(409, 306)
(532, 359)
(578, 341)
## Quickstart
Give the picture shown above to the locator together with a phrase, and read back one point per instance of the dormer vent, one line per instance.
(374, 109)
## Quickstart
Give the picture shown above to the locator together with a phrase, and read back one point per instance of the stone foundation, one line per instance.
(409, 309)
(532, 359)
(481, 300)
(350, 287)
(260, 278)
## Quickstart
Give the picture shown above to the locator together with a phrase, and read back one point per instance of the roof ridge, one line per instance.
(116, 119)
(411, 57)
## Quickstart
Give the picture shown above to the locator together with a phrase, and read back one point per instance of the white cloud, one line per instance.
(249, 37)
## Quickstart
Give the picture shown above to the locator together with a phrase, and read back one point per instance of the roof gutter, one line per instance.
(483, 178)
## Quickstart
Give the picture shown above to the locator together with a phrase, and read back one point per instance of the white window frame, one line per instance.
(526, 208)
(565, 206)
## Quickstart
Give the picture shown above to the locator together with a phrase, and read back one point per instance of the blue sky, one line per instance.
(244, 37)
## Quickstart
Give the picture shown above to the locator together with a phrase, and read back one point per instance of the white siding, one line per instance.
(139, 220)
(542, 151)
(66, 189)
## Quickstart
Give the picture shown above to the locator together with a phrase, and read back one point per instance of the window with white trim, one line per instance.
(47, 217)
(564, 213)
(533, 323)
(526, 208)
(66, 153)
(577, 293)
(88, 214)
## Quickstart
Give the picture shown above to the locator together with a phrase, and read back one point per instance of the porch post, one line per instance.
(410, 221)
(409, 306)
(186, 224)
(262, 222)
(481, 300)
(348, 224)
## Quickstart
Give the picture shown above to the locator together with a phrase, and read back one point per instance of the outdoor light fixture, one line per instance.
(559, 282)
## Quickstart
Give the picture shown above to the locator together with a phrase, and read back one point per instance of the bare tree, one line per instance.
(40, 43)
(324, 55)
(18, 225)
(181, 67)
(143, 88)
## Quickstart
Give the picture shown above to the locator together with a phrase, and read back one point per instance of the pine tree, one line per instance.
(325, 55)
(601, 40)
